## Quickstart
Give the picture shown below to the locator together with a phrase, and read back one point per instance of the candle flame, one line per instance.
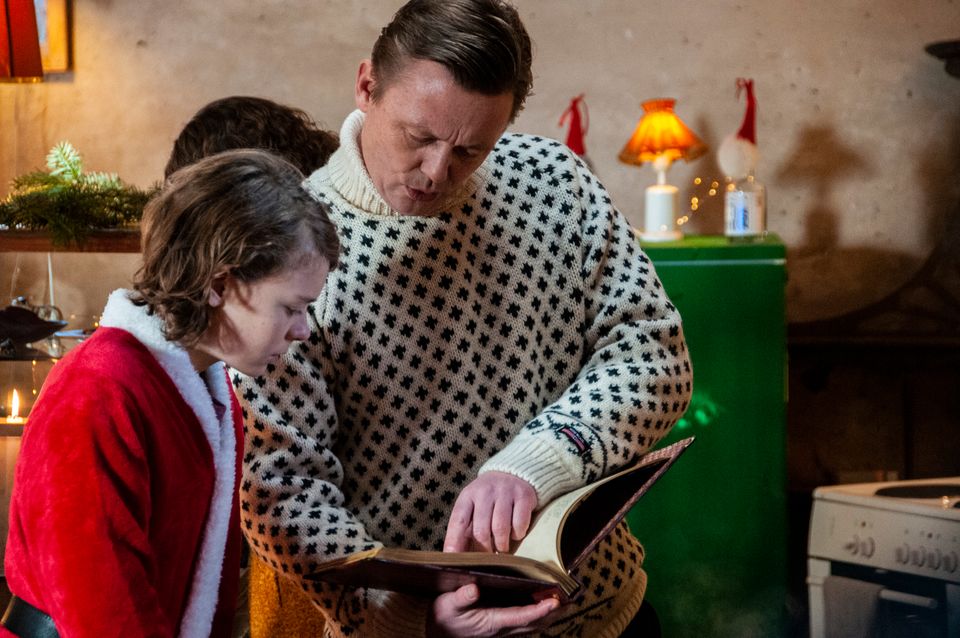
(15, 405)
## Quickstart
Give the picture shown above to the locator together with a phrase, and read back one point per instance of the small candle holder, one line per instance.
(20, 383)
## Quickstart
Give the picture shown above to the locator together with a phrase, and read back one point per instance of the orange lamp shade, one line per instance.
(660, 133)
(19, 42)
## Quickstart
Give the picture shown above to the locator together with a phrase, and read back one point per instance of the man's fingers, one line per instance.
(501, 524)
(522, 515)
(482, 518)
(465, 597)
(522, 619)
(456, 614)
(495, 508)
(459, 527)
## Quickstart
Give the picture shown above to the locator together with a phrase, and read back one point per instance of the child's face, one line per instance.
(253, 323)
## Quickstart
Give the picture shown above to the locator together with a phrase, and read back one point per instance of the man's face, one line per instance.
(425, 135)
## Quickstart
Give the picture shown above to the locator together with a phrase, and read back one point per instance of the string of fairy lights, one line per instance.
(698, 201)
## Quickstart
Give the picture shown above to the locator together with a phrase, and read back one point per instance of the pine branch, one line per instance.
(35, 181)
(68, 203)
(64, 161)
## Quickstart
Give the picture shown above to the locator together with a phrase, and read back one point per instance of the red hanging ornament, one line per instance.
(748, 130)
(578, 128)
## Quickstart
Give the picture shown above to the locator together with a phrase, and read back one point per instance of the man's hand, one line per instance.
(491, 510)
(454, 616)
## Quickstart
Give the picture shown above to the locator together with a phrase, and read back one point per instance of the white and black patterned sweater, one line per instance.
(520, 330)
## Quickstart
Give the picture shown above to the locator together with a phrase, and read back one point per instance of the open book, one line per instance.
(561, 535)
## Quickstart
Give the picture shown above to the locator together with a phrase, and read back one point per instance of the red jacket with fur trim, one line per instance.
(124, 517)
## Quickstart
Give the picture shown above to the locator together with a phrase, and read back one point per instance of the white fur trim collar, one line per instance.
(122, 313)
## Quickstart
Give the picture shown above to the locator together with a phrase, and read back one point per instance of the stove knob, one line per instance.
(867, 547)
(853, 546)
(918, 556)
(902, 554)
(933, 559)
(950, 562)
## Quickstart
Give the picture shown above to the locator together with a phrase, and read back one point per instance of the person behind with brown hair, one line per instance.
(124, 517)
(242, 121)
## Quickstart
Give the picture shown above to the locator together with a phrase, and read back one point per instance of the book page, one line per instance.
(542, 542)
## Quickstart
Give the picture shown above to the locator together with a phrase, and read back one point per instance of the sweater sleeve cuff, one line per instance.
(551, 471)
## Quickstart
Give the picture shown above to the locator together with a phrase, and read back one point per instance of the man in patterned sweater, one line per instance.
(493, 338)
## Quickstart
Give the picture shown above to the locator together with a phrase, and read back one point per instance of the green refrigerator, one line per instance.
(715, 527)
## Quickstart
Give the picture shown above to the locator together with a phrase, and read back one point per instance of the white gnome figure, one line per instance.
(745, 197)
(738, 154)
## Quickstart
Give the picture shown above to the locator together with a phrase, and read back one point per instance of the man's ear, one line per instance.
(217, 287)
(363, 91)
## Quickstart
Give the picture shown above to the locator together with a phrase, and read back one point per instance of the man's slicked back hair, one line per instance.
(483, 44)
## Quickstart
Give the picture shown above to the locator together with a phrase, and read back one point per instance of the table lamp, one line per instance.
(661, 138)
(19, 42)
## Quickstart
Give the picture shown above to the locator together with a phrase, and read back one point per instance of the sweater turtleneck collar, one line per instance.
(349, 177)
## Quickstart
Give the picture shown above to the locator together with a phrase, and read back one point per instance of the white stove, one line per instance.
(884, 559)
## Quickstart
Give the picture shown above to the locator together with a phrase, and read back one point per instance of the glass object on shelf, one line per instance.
(745, 208)
(51, 345)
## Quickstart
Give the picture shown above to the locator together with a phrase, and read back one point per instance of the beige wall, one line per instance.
(858, 126)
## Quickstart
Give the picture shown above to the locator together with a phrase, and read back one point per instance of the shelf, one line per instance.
(126, 240)
(9, 429)
(705, 249)
(31, 356)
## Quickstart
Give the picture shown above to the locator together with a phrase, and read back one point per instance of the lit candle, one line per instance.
(15, 418)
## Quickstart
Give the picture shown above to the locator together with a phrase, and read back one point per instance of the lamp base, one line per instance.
(660, 212)
(660, 235)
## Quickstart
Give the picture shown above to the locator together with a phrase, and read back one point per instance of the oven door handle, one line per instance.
(908, 599)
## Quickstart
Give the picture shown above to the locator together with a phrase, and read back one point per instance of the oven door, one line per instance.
(853, 601)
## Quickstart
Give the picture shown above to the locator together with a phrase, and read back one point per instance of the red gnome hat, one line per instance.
(748, 130)
(577, 129)
(737, 155)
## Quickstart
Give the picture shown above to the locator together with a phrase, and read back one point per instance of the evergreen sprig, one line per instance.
(68, 203)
